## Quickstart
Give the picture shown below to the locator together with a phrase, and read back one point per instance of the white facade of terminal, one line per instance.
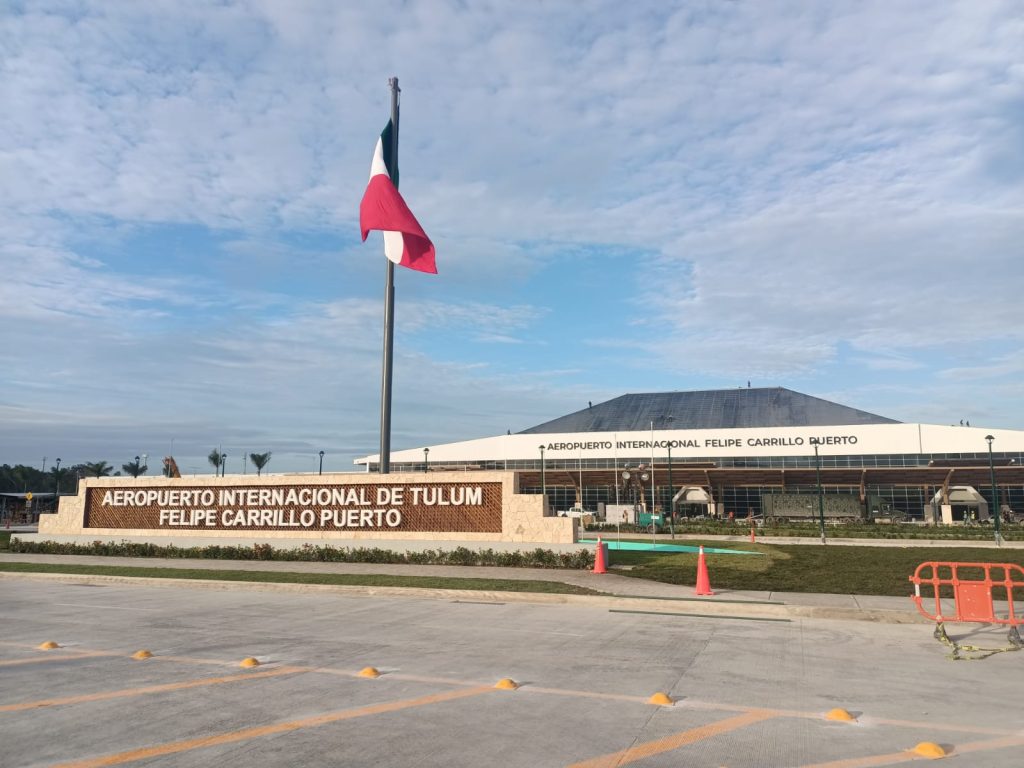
(725, 452)
(914, 441)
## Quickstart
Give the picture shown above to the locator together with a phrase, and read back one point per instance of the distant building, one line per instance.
(735, 448)
(24, 508)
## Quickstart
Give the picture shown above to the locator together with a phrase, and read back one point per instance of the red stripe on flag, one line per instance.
(383, 208)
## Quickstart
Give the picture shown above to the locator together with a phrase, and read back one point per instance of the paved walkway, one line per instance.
(630, 592)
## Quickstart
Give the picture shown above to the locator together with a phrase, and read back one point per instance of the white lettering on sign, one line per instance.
(703, 443)
(314, 507)
(345, 507)
(435, 496)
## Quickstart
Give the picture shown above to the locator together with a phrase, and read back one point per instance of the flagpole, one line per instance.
(389, 306)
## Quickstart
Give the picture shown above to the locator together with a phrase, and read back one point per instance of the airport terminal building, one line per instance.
(740, 452)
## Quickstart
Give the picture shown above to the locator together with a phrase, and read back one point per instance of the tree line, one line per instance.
(21, 478)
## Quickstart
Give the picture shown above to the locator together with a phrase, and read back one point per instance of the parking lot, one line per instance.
(743, 692)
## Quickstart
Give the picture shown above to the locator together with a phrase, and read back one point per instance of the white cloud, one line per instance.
(775, 192)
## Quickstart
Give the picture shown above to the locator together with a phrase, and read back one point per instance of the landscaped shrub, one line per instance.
(581, 559)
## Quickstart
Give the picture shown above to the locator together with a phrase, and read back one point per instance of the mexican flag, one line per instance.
(382, 207)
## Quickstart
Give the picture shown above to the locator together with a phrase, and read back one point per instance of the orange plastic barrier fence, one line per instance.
(972, 597)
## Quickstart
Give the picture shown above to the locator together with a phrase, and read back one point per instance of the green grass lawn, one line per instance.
(365, 580)
(741, 527)
(780, 568)
(807, 567)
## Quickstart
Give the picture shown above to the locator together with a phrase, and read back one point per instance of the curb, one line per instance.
(650, 606)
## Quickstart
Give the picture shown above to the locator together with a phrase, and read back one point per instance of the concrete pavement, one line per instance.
(619, 591)
(742, 694)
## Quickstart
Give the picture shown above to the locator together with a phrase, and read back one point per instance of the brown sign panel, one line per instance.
(382, 507)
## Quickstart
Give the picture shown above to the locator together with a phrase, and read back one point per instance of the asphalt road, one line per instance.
(747, 692)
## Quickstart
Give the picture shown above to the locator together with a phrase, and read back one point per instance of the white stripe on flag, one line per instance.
(394, 246)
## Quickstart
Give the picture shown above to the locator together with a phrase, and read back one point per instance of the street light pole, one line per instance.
(543, 480)
(654, 506)
(223, 464)
(995, 490)
(821, 497)
(582, 507)
(321, 471)
(426, 459)
(671, 495)
(56, 480)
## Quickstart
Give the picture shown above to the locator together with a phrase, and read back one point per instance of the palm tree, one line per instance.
(135, 468)
(259, 460)
(98, 468)
(216, 459)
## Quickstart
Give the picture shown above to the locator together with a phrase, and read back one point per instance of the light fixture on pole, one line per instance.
(635, 480)
(821, 496)
(223, 464)
(321, 470)
(995, 490)
(56, 480)
(426, 459)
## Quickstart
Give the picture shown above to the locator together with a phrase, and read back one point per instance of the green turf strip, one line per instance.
(288, 577)
(831, 569)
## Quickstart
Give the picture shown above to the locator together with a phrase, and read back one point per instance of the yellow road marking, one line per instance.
(689, 703)
(940, 726)
(675, 741)
(864, 719)
(907, 755)
(984, 746)
(596, 695)
(231, 737)
(903, 756)
(195, 660)
(63, 657)
(126, 692)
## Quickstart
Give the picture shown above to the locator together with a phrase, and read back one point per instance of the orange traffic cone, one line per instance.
(600, 566)
(703, 582)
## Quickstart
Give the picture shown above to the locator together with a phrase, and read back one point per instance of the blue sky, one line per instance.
(624, 197)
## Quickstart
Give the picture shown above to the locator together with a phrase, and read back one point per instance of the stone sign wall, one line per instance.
(397, 507)
(479, 506)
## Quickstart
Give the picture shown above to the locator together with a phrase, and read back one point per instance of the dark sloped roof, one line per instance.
(711, 409)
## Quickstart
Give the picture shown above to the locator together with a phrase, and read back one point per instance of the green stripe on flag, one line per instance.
(386, 148)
